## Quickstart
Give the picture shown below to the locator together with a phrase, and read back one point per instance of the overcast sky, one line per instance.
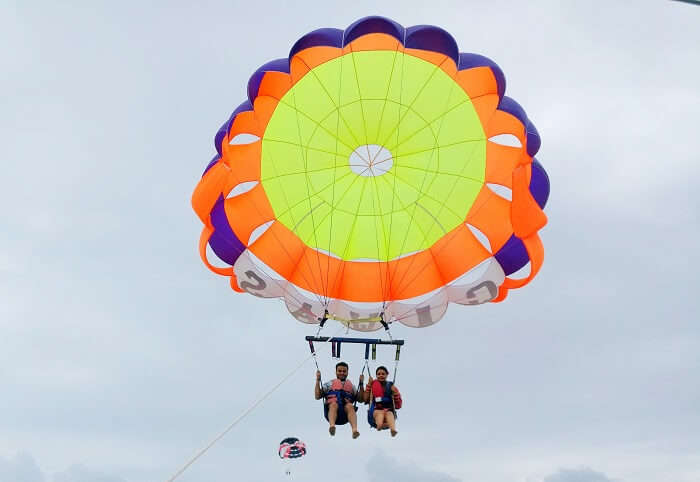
(121, 355)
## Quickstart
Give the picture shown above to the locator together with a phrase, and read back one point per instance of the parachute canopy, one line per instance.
(375, 169)
(291, 448)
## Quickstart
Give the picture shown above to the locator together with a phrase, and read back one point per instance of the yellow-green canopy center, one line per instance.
(373, 155)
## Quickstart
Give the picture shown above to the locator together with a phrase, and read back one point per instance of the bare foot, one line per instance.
(393, 433)
(355, 434)
(331, 430)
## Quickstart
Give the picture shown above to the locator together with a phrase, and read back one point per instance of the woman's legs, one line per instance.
(391, 422)
(379, 419)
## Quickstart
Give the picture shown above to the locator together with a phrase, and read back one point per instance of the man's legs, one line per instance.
(332, 416)
(352, 418)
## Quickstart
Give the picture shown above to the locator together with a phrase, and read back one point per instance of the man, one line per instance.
(339, 396)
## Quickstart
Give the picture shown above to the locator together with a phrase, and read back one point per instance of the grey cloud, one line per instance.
(583, 474)
(79, 473)
(24, 468)
(20, 468)
(382, 467)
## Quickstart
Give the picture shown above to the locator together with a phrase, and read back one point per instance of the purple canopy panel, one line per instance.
(223, 241)
(223, 130)
(469, 61)
(429, 37)
(277, 65)
(328, 37)
(373, 24)
(539, 184)
(512, 256)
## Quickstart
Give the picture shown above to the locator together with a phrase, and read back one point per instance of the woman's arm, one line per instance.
(396, 395)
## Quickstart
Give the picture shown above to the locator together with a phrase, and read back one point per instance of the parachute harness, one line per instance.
(336, 344)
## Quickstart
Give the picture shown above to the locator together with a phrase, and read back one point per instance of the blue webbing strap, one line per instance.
(313, 353)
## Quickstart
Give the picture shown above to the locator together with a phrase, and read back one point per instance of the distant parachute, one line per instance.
(375, 171)
(291, 448)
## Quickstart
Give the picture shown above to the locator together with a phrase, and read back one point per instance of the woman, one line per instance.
(384, 400)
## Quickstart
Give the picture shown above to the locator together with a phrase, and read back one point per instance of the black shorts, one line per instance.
(342, 417)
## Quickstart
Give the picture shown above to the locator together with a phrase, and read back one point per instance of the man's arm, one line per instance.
(318, 392)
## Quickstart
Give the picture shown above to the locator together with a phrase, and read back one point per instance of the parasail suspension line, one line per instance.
(396, 361)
